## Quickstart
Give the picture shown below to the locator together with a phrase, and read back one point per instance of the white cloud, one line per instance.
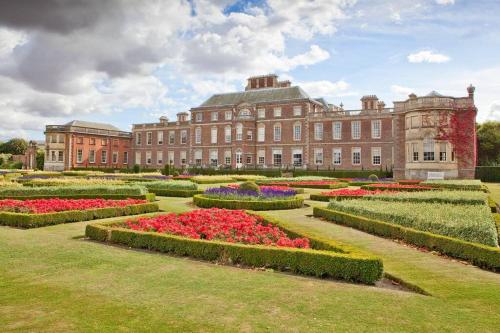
(400, 90)
(326, 88)
(445, 2)
(427, 56)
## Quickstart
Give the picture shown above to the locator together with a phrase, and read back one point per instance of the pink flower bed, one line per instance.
(40, 206)
(351, 192)
(305, 183)
(234, 226)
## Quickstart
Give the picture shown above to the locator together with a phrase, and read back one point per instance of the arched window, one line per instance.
(239, 132)
(429, 148)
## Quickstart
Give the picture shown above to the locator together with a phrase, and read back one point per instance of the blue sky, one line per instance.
(132, 64)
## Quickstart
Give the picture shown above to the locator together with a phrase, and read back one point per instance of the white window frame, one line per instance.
(277, 132)
(353, 151)
(337, 130)
(356, 129)
(149, 138)
(198, 117)
(239, 132)
(114, 157)
(160, 137)
(197, 135)
(337, 152)
(92, 156)
(297, 131)
(184, 137)
(138, 157)
(261, 133)
(249, 135)
(213, 135)
(374, 151)
(376, 129)
(318, 152)
(214, 116)
(171, 157)
(138, 138)
(261, 157)
(297, 110)
(125, 157)
(228, 115)
(261, 113)
(183, 157)
(227, 134)
(277, 112)
(318, 131)
(104, 156)
(149, 158)
(171, 137)
(159, 157)
(79, 156)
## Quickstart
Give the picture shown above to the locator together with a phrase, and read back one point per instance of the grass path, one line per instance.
(51, 282)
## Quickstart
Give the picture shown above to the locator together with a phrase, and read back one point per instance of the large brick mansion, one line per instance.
(273, 124)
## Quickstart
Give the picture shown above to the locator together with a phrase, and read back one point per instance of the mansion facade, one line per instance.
(272, 124)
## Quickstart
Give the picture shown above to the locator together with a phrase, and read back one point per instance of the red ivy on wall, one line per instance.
(458, 127)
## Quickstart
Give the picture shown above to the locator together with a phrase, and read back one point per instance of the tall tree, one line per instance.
(488, 137)
(14, 146)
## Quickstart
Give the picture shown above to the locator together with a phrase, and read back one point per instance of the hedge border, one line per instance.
(318, 186)
(327, 198)
(28, 221)
(175, 193)
(203, 201)
(297, 190)
(324, 261)
(210, 181)
(481, 255)
(402, 189)
(148, 196)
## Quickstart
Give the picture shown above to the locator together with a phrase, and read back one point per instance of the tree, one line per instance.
(14, 146)
(488, 138)
(40, 159)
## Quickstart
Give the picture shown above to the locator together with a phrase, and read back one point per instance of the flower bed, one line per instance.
(409, 181)
(233, 226)
(450, 197)
(396, 187)
(39, 206)
(481, 255)
(269, 187)
(455, 184)
(343, 194)
(71, 181)
(182, 177)
(472, 223)
(266, 193)
(77, 192)
(40, 213)
(323, 258)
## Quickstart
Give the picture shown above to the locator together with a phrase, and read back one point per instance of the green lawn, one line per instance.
(52, 282)
(495, 191)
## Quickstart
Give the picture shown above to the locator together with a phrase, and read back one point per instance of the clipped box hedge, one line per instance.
(401, 189)
(455, 184)
(204, 201)
(481, 255)
(327, 198)
(444, 197)
(175, 192)
(325, 259)
(25, 220)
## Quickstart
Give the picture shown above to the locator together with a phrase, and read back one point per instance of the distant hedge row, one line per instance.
(488, 173)
(478, 254)
(326, 259)
(24, 220)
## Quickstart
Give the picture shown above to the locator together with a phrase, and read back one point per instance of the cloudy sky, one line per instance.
(125, 62)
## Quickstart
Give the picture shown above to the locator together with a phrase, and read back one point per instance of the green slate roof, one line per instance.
(89, 124)
(256, 96)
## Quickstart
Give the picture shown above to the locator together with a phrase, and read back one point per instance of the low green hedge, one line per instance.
(481, 255)
(361, 183)
(343, 173)
(73, 190)
(23, 220)
(324, 260)
(203, 201)
(175, 193)
(320, 186)
(444, 197)
(402, 189)
(455, 184)
(326, 198)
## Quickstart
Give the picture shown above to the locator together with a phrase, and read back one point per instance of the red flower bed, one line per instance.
(396, 186)
(40, 206)
(409, 182)
(351, 192)
(234, 226)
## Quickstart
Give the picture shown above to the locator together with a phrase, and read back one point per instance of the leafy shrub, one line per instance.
(373, 177)
(204, 201)
(173, 188)
(478, 254)
(488, 173)
(326, 259)
(472, 223)
(250, 186)
(137, 168)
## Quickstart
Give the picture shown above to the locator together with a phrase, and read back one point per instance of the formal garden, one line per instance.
(313, 252)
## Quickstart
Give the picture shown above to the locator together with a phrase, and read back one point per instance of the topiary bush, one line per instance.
(373, 177)
(251, 186)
